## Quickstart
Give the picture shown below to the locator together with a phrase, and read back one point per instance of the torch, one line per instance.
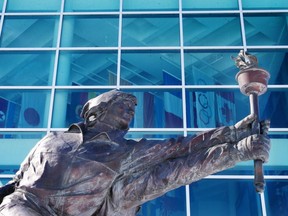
(253, 82)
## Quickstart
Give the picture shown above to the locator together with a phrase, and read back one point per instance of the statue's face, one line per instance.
(120, 114)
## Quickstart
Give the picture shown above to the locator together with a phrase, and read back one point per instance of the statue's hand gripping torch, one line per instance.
(253, 82)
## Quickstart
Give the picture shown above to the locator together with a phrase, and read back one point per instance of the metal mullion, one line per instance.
(187, 187)
(33, 14)
(52, 97)
(118, 78)
(242, 25)
(2, 16)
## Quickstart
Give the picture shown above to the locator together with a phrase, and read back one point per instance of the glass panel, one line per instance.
(217, 68)
(155, 108)
(26, 68)
(24, 108)
(209, 5)
(224, 197)
(29, 31)
(1, 4)
(212, 30)
(276, 197)
(150, 31)
(172, 203)
(151, 68)
(156, 5)
(14, 147)
(266, 29)
(4, 181)
(210, 109)
(90, 31)
(33, 6)
(210, 68)
(265, 4)
(152, 134)
(91, 5)
(87, 68)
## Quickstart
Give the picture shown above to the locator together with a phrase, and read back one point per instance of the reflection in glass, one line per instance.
(217, 68)
(266, 29)
(150, 68)
(33, 6)
(224, 197)
(173, 204)
(210, 109)
(210, 5)
(87, 68)
(210, 68)
(91, 5)
(212, 31)
(90, 31)
(142, 5)
(150, 31)
(26, 68)
(29, 31)
(276, 197)
(24, 108)
(265, 4)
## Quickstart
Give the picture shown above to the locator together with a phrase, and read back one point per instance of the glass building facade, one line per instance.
(175, 56)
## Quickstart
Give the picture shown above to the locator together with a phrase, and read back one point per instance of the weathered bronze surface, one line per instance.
(253, 82)
(91, 169)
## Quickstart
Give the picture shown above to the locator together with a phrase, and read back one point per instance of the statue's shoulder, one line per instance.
(54, 141)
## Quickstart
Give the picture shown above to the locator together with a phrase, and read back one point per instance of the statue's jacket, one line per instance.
(69, 173)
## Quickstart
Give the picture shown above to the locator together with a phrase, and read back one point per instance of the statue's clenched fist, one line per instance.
(251, 145)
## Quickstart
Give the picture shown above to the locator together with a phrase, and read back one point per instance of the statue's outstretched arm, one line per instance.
(206, 154)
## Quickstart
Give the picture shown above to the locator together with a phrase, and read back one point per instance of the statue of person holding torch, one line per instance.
(91, 169)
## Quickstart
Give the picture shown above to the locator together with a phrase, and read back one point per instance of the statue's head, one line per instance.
(113, 108)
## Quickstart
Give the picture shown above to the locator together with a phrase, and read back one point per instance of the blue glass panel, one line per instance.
(90, 31)
(266, 29)
(150, 30)
(276, 197)
(212, 30)
(142, 5)
(26, 68)
(210, 68)
(151, 135)
(155, 109)
(8, 169)
(92, 5)
(24, 108)
(217, 68)
(224, 197)
(1, 4)
(265, 4)
(29, 31)
(33, 6)
(87, 68)
(4, 181)
(209, 109)
(14, 147)
(173, 204)
(209, 5)
(150, 68)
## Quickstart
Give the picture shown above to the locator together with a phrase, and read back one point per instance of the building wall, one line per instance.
(175, 56)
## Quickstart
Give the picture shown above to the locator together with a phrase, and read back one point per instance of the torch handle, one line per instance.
(258, 164)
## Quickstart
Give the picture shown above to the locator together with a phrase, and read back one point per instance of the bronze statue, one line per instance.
(91, 169)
